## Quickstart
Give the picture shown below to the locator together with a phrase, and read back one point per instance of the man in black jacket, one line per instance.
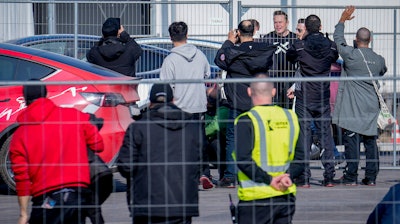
(116, 50)
(241, 57)
(160, 155)
(315, 53)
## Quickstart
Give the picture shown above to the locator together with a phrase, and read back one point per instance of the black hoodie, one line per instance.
(243, 61)
(117, 54)
(161, 155)
(315, 54)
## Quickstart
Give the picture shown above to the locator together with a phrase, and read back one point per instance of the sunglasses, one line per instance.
(299, 30)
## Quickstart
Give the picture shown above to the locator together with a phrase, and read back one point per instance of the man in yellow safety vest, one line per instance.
(265, 142)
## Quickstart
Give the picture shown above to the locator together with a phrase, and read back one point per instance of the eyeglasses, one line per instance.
(299, 30)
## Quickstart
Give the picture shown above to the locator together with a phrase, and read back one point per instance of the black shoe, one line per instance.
(345, 181)
(368, 182)
(328, 182)
(228, 182)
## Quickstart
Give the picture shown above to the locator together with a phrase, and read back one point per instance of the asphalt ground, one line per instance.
(339, 204)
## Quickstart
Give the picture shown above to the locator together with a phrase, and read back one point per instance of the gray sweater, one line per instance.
(357, 105)
(187, 62)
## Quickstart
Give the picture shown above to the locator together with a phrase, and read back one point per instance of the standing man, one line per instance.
(240, 61)
(282, 68)
(116, 50)
(188, 62)
(266, 139)
(160, 155)
(49, 158)
(314, 53)
(357, 105)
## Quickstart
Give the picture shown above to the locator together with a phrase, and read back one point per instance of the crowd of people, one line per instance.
(257, 133)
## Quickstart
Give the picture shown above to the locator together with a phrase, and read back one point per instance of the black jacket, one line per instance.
(315, 54)
(243, 61)
(117, 54)
(161, 155)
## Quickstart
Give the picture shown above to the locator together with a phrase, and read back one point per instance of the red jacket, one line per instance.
(49, 149)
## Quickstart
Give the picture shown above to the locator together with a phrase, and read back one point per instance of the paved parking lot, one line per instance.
(340, 204)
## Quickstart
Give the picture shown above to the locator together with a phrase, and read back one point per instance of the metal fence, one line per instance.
(209, 20)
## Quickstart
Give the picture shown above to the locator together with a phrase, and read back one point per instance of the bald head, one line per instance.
(246, 28)
(363, 36)
(261, 92)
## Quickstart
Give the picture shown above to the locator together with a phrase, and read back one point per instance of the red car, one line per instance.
(72, 87)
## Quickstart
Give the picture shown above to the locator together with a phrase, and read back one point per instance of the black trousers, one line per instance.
(161, 220)
(101, 189)
(319, 113)
(351, 142)
(69, 207)
(276, 210)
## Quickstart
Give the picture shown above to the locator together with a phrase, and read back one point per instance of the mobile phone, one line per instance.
(354, 43)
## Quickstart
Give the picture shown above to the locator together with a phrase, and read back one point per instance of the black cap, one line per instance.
(111, 27)
(33, 92)
(158, 90)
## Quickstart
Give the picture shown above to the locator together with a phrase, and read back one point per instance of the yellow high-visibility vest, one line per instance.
(275, 135)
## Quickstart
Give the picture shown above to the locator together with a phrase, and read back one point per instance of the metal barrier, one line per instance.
(208, 20)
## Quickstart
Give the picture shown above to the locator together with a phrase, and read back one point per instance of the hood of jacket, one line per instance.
(317, 45)
(169, 116)
(37, 112)
(111, 48)
(187, 51)
(253, 56)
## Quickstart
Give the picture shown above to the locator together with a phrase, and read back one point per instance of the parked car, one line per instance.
(74, 88)
(147, 67)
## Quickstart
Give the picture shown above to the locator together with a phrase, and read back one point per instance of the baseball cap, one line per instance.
(158, 90)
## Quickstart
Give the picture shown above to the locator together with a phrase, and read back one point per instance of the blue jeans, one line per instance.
(230, 170)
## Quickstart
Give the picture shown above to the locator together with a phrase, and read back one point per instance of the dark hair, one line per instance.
(363, 35)
(255, 23)
(178, 31)
(246, 28)
(301, 20)
(313, 23)
(279, 13)
(33, 92)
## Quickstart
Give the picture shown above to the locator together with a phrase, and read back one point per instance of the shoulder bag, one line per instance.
(385, 118)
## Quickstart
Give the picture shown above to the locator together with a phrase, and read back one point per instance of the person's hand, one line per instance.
(23, 219)
(347, 14)
(121, 29)
(290, 93)
(232, 36)
(281, 182)
(286, 182)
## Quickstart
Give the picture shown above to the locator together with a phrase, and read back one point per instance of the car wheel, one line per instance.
(5, 164)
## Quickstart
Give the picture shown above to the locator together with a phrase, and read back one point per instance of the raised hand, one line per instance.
(347, 14)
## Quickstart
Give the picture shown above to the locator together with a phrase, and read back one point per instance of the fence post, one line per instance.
(51, 19)
(394, 81)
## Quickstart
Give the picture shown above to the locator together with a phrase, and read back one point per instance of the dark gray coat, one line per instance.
(357, 105)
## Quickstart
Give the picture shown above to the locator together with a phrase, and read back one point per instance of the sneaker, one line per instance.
(228, 182)
(368, 182)
(206, 182)
(328, 183)
(345, 181)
